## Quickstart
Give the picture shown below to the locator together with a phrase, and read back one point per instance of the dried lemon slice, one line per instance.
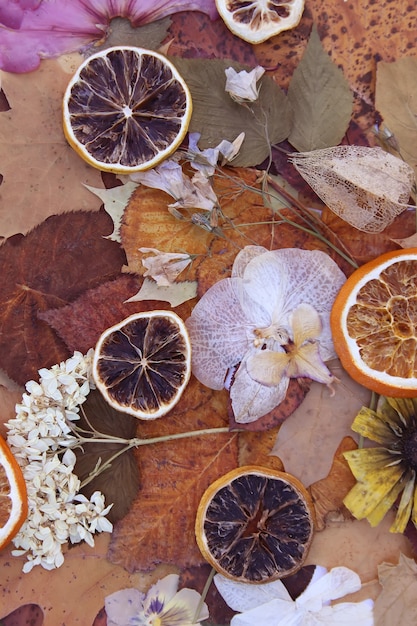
(13, 495)
(126, 109)
(143, 364)
(255, 525)
(256, 21)
(374, 324)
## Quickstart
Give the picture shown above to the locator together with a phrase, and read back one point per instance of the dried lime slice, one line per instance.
(126, 109)
(255, 525)
(143, 364)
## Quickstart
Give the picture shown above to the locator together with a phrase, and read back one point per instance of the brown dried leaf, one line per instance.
(80, 323)
(42, 175)
(255, 449)
(328, 493)
(174, 476)
(75, 592)
(50, 266)
(396, 604)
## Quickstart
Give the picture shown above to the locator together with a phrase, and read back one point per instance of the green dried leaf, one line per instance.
(119, 483)
(216, 116)
(115, 201)
(175, 294)
(321, 100)
(122, 33)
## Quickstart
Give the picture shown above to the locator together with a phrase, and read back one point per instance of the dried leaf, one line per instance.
(122, 33)
(115, 201)
(321, 100)
(408, 242)
(42, 175)
(47, 268)
(27, 614)
(71, 595)
(317, 427)
(174, 477)
(81, 323)
(175, 294)
(328, 493)
(395, 99)
(216, 116)
(120, 482)
(396, 604)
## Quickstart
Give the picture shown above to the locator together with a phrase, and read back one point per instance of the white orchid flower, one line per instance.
(266, 324)
(242, 86)
(271, 604)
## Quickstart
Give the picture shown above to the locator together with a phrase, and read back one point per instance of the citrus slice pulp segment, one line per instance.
(126, 109)
(255, 525)
(374, 324)
(13, 495)
(256, 21)
(143, 364)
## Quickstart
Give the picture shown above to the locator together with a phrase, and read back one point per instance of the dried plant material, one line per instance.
(164, 267)
(48, 268)
(321, 100)
(396, 100)
(318, 426)
(408, 242)
(115, 201)
(366, 187)
(328, 493)
(41, 174)
(216, 116)
(175, 294)
(396, 603)
(176, 477)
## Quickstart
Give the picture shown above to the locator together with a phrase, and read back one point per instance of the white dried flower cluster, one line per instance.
(39, 432)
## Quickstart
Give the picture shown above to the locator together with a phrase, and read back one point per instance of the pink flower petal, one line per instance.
(31, 30)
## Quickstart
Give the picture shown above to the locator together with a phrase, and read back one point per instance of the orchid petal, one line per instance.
(219, 333)
(243, 596)
(305, 323)
(268, 367)
(31, 31)
(251, 399)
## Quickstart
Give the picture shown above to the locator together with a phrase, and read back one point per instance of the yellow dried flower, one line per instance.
(385, 472)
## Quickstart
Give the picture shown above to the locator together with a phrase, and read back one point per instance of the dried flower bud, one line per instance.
(366, 187)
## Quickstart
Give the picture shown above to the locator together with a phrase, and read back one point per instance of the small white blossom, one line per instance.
(205, 161)
(242, 86)
(41, 429)
(163, 605)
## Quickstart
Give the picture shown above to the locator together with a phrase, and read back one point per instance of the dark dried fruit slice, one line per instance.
(126, 109)
(143, 364)
(255, 525)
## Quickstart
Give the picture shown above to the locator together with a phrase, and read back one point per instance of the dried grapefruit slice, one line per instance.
(143, 364)
(374, 324)
(126, 109)
(13, 496)
(256, 21)
(255, 525)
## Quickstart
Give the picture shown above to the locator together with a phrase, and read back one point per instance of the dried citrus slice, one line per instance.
(143, 364)
(126, 109)
(255, 525)
(374, 324)
(256, 21)
(13, 496)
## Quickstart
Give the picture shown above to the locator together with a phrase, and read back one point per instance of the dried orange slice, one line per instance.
(256, 21)
(374, 324)
(143, 364)
(126, 109)
(255, 525)
(13, 496)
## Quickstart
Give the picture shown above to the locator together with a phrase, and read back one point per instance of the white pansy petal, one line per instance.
(243, 596)
(121, 606)
(274, 613)
(337, 583)
(343, 614)
(164, 589)
(186, 601)
(250, 399)
(219, 332)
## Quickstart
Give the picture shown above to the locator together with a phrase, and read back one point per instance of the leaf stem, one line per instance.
(204, 595)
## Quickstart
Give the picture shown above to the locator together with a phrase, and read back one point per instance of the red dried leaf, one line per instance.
(50, 266)
(81, 323)
(160, 525)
